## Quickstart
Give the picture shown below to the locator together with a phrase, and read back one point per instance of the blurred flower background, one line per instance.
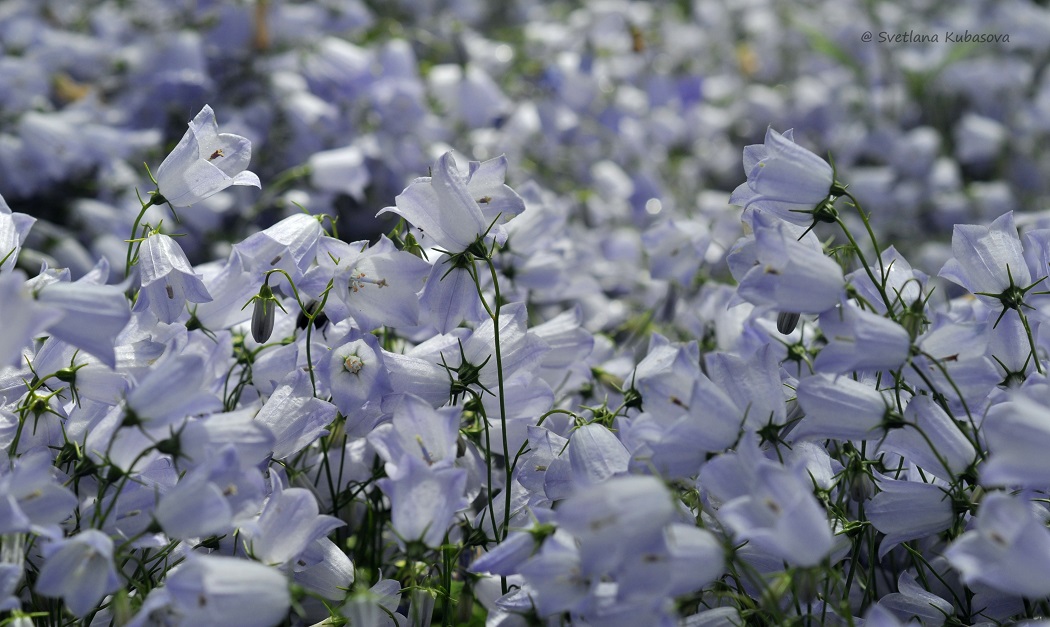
(629, 111)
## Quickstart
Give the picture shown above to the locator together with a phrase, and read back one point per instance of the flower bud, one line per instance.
(263, 315)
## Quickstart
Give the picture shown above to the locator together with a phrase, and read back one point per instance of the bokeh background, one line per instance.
(627, 112)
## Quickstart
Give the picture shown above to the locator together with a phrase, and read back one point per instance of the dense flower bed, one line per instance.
(450, 313)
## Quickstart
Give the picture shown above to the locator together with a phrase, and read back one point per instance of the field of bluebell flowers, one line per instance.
(457, 312)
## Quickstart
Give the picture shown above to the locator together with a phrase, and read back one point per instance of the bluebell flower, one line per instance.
(288, 525)
(784, 179)
(912, 600)
(1008, 548)
(218, 590)
(989, 262)
(23, 317)
(424, 499)
(417, 430)
(840, 408)
(204, 163)
(908, 510)
(767, 504)
(94, 315)
(32, 498)
(376, 286)
(1016, 434)
(294, 415)
(942, 448)
(340, 170)
(454, 209)
(860, 340)
(786, 273)
(289, 245)
(80, 570)
(168, 280)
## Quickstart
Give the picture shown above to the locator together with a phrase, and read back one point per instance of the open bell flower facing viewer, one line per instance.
(204, 163)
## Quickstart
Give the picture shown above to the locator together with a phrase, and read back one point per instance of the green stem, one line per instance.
(135, 232)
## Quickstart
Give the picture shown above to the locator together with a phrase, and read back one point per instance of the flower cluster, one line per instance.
(566, 383)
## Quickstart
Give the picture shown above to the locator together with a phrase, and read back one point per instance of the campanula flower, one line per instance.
(455, 209)
(204, 163)
(168, 279)
(784, 179)
(79, 569)
(1008, 549)
(217, 590)
(776, 268)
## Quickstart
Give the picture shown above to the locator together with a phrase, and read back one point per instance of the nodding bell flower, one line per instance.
(788, 181)
(204, 163)
(264, 312)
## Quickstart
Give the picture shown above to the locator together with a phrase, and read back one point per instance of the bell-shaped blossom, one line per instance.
(80, 570)
(450, 297)
(204, 163)
(93, 316)
(908, 510)
(942, 448)
(31, 499)
(913, 600)
(860, 340)
(988, 259)
(288, 524)
(323, 568)
(173, 389)
(904, 285)
(666, 376)
(1017, 435)
(786, 273)
(218, 590)
(453, 210)
(289, 245)
(168, 280)
(424, 499)
(1007, 549)
(210, 498)
(769, 505)
(376, 286)
(230, 287)
(294, 415)
(23, 317)
(752, 382)
(615, 518)
(839, 408)
(417, 430)
(784, 179)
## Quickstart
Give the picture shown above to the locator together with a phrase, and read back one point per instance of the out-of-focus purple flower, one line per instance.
(340, 170)
(784, 179)
(168, 280)
(204, 163)
(79, 569)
